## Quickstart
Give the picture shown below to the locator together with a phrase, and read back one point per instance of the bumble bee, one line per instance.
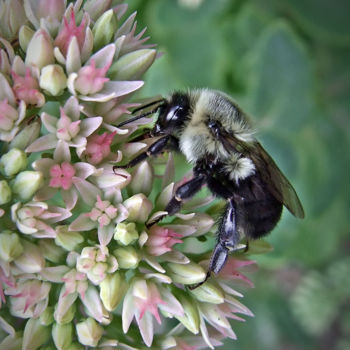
(215, 136)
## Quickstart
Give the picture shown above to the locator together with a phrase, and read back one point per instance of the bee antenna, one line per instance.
(143, 114)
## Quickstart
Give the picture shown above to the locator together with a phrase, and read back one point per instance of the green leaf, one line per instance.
(327, 20)
(279, 80)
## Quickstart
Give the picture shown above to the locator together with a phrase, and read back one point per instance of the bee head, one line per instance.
(173, 114)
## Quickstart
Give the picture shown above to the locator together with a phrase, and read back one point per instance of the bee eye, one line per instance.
(174, 114)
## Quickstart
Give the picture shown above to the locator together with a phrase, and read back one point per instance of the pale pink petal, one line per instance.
(103, 57)
(70, 198)
(89, 125)
(87, 190)
(49, 122)
(128, 310)
(62, 214)
(62, 152)
(72, 108)
(55, 273)
(105, 234)
(44, 165)
(84, 170)
(45, 142)
(82, 223)
(146, 328)
(121, 88)
(92, 303)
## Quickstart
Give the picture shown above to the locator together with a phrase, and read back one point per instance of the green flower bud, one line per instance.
(35, 334)
(68, 240)
(125, 233)
(127, 257)
(89, 332)
(31, 260)
(62, 335)
(112, 289)
(209, 293)
(104, 29)
(75, 346)
(27, 135)
(139, 208)
(142, 179)
(65, 310)
(132, 65)
(27, 183)
(25, 35)
(51, 251)
(10, 246)
(5, 192)
(46, 317)
(190, 273)
(53, 79)
(12, 162)
(191, 316)
(12, 342)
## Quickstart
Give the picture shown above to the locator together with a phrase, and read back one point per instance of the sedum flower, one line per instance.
(85, 259)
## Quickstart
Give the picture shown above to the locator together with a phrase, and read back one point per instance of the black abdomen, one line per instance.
(257, 210)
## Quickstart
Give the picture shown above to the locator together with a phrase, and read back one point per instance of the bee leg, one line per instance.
(227, 240)
(156, 148)
(185, 191)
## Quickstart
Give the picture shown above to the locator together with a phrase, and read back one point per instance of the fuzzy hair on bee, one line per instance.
(216, 137)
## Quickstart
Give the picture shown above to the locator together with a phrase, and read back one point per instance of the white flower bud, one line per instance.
(35, 334)
(68, 240)
(127, 257)
(5, 192)
(12, 162)
(112, 289)
(53, 79)
(190, 273)
(62, 335)
(89, 332)
(27, 183)
(10, 246)
(139, 208)
(31, 260)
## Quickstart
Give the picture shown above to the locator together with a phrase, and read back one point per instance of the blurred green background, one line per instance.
(286, 62)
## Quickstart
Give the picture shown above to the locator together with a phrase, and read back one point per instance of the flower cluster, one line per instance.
(82, 261)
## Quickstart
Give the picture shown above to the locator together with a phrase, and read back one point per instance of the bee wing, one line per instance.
(278, 184)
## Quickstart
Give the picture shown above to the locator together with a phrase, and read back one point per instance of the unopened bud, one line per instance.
(125, 233)
(46, 317)
(139, 208)
(62, 335)
(51, 251)
(10, 246)
(27, 135)
(127, 257)
(53, 79)
(31, 260)
(12, 162)
(104, 29)
(190, 319)
(40, 50)
(5, 192)
(68, 240)
(25, 35)
(27, 183)
(89, 332)
(112, 289)
(209, 293)
(190, 273)
(142, 179)
(35, 334)
(132, 65)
